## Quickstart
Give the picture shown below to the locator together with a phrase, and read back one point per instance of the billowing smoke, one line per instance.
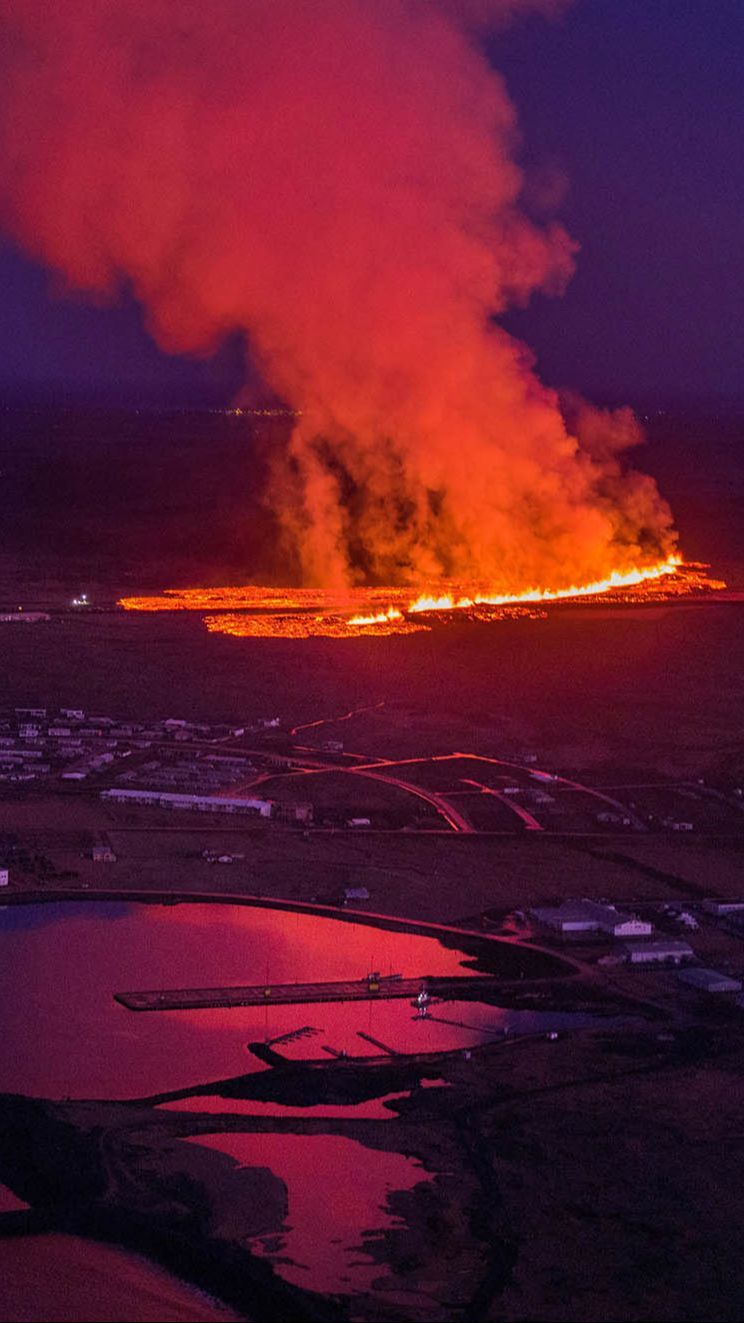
(335, 179)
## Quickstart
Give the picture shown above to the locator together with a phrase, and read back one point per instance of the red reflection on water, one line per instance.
(59, 967)
(372, 1109)
(337, 1191)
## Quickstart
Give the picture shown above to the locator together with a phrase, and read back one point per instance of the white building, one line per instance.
(4, 877)
(196, 803)
(708, 980)
(618, 924)
(25, 617)
(666, 951)
(102, 854)
(588, 916)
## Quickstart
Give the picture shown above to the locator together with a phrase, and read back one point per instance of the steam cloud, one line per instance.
(335, 179)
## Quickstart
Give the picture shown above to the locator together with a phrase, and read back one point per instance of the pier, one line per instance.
(366, 989)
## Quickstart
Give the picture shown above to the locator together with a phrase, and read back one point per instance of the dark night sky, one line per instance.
(641, 105)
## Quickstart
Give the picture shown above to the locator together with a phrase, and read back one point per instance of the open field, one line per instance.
(439, 877)
(658, 688)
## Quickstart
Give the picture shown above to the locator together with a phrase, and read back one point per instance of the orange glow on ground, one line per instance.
(301, 613)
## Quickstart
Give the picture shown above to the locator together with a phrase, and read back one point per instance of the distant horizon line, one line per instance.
(13, 400)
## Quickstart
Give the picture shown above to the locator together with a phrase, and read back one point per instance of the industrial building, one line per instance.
(665, 951)
(102, 854)
(722, 907)
(708, 980)
(577, 917)
(196, 803)
(23, 617)
(293, 812)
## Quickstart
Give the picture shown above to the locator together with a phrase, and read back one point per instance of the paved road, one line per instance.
(444, 806)
(537, 774)
(531, 823)
(345, 716)
(455, 820)
(552, 778)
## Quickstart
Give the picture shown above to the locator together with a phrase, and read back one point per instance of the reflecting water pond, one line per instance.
(65, 1036)
(60, 963)
(324, 1248)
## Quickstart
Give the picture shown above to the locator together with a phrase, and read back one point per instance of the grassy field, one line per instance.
(652, 688)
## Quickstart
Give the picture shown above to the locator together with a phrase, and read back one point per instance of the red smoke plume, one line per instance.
(334, 178)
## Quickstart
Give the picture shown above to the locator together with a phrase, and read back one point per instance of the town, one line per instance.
(135, 805)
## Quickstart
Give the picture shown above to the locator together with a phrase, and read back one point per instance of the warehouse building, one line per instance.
(666, 951)
(708, 980)
(578, 917)
(195, 803)
(720, 908)
(24, 617)
(102, 854)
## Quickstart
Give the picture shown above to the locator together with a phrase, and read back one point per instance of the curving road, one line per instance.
(530, 823)
(330, 721)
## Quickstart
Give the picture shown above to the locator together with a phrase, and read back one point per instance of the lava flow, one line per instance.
(301, 613)
(617, 579)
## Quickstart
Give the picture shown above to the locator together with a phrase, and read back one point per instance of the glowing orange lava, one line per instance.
(298, 626)
(617, 579)
(302, 613)
(382, 617)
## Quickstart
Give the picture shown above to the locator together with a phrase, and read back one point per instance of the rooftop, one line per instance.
(671, 945)
(709, 980)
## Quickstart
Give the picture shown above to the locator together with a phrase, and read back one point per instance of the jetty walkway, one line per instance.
(365, 989)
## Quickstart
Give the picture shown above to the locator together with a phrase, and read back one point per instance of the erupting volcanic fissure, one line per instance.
(336, 181)
(301, 613)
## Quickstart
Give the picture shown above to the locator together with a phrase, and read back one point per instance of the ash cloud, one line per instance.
(337, 181)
